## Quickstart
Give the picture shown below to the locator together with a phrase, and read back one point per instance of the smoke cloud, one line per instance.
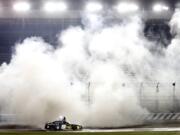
(93, 77)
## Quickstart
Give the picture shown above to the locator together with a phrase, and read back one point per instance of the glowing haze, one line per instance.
(41, 82)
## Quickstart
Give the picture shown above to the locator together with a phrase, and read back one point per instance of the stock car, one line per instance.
(62, 126)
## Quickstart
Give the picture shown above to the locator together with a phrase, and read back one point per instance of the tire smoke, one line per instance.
(91, 77)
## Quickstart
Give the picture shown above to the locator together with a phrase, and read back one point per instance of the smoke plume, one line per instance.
(93, 77)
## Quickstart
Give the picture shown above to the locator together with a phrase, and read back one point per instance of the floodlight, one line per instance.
(21, 6)
(55, 7)
(93, 7)
(160, 7)
(125, 7)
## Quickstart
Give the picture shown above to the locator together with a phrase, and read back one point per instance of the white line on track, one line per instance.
(132, 129)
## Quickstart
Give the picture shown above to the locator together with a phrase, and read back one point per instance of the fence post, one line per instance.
(174, 96)
(140, 93)
(157, 97)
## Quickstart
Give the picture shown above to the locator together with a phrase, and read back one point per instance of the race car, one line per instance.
(62, 125)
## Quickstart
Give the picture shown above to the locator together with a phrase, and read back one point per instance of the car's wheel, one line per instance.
(57, 127)
(74, 127)
(46, 126)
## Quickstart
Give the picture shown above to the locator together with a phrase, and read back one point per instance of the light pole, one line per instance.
(174, 96)
(88, 96)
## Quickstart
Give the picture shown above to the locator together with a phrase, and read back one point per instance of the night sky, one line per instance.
(16, 30)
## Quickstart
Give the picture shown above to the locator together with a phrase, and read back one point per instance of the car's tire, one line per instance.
(46, 127)
(57, 127)
(74, 127)
(77, 127)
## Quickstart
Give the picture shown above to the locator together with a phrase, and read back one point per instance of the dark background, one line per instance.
(15, 28)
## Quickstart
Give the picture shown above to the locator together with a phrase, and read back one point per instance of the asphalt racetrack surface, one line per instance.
(9, 128)
(162, 131)
(13, 129)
